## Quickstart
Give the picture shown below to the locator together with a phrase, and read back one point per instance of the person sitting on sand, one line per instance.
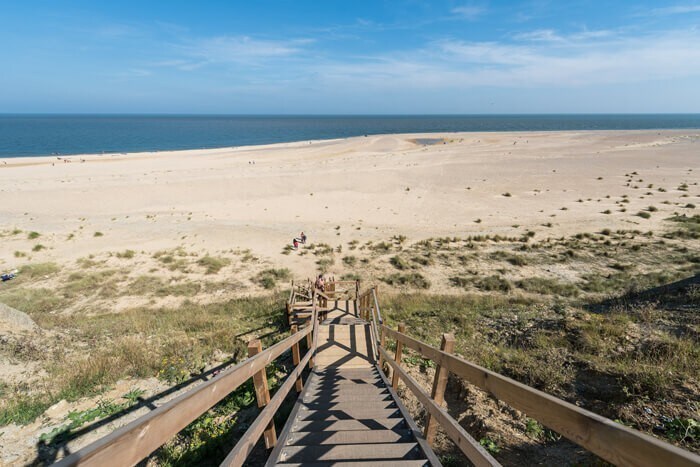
(302, 236)
(295, 244)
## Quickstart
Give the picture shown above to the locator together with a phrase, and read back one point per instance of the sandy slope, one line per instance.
(372, 187)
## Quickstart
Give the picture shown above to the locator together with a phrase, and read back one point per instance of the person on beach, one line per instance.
(303, 238)
(295, 244)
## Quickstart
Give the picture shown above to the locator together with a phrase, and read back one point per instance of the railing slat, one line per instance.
(609, 440)
(468, 445)
(133, 442)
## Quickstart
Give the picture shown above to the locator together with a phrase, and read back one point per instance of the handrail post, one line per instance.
(310, 341)
(299, 385)
(289, 313)
(382, 340)
(397, 358)
(439, 384)
(262, 393)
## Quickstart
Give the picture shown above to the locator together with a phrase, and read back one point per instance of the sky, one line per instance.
(349, 57)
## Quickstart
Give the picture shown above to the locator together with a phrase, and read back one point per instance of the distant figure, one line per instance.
(303, 238)
(320, 283)
(9, 276)
(295, 244)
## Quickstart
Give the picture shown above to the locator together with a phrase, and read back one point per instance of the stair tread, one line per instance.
(369, 397)
(339, 452)
(385, 463)
(348, 414)
(306, 438)
(360, 424)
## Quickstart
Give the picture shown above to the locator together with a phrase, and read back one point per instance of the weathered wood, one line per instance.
(611, 441)
(309, 347)
(382, 342)
(262, 391)
(439, 384)
(295, 360)
(133, 442)
(245, 445)
(397, 357)
(468, 445)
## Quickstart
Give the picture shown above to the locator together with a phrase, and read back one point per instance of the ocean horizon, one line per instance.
(23, 135)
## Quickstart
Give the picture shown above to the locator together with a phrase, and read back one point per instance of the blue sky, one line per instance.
(357, 57)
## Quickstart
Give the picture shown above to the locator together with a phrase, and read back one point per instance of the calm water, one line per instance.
(34, 135)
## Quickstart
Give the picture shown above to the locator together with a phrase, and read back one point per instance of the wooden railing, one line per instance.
(611, 441)
(137, 440)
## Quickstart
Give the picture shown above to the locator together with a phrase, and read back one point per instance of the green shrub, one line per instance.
(399, 263)
(413, 279)
(269, 277)
(213, 264)
(494, 283)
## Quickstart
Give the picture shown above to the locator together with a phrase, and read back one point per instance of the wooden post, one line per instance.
(439, 384)
(382, 340)
(397, 358)
(262, 393)
(289, 313)
(310, 343)
(295, 359)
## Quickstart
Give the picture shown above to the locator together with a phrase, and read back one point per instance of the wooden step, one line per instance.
(348, 425)
(385, 463)
(360, 393)
(374, 452)
(349, 437)
(347, 406)
(348, 414)
(349, 397)
(345, 385)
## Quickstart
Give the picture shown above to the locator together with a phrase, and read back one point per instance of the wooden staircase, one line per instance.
(348, 414)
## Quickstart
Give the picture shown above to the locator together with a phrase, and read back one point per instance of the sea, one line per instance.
(40, 135)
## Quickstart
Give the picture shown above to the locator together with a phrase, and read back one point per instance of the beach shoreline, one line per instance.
(98, 156)
(361, 188)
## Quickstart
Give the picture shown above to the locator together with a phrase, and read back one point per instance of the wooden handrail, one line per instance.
(609, 440)
(468, 445)
(132, 443)
(246, 444)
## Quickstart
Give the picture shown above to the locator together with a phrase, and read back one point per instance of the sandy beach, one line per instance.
(364, 188)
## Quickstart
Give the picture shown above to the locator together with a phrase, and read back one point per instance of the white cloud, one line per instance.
(675, 10)
(550, 35)
(469, 12)
(544, 35)
(460, 65)
(244, 48)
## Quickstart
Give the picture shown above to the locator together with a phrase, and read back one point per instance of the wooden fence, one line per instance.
(137, 440)
(611, 441)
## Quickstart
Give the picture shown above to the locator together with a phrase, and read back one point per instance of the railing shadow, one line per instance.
(670, 291)
(48, 451)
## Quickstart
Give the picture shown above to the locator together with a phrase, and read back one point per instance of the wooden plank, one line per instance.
(262, 392)
(309, 346)
(133, 442)
(397, 357)
(299, 385)
(245, 445)
(439, 384)
(349, 437)
(468, 445)
(611, 441)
